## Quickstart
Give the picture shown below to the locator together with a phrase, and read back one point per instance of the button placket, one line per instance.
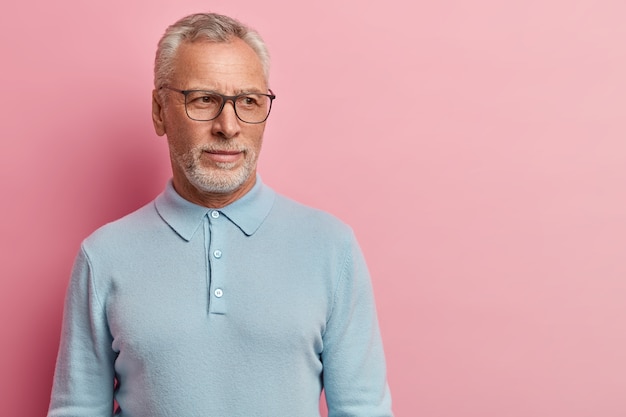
(217, 293)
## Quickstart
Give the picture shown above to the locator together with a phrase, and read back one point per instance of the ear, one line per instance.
(157, 114)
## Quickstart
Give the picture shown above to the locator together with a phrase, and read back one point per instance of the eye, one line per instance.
(203, 99)
(249, 100)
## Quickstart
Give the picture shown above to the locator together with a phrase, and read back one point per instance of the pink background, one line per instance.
(476, 147)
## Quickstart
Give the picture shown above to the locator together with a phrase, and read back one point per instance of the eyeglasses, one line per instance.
(204, 105)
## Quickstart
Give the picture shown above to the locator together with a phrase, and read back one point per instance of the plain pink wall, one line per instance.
(476, 147)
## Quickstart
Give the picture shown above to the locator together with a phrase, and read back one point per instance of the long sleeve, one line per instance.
(84, 375)
(354, 366)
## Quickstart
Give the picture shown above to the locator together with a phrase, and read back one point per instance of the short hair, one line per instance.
(211, 27)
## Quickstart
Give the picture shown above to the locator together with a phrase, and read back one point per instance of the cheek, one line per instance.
(183, 136)
(256, 137)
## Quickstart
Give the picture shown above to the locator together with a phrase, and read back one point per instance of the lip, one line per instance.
(224, 156)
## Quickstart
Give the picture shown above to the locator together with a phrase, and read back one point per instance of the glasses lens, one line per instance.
(203, 105)
(252, 108)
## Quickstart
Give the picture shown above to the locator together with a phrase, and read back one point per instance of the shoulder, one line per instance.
(296, 211)
(121, 232)
(304, 221)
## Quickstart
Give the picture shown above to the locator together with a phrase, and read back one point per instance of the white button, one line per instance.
(218, 292)
(217, 253)
(215, 214)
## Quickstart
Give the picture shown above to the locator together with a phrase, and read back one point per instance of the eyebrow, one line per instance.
(252, 90)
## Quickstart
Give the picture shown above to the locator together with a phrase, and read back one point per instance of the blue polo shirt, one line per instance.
(245, 311)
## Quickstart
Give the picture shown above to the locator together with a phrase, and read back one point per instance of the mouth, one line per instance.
(223, 156)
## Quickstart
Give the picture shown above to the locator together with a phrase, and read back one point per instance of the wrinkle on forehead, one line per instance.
(227, 67)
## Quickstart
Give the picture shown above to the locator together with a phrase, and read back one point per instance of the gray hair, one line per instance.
(211, 27)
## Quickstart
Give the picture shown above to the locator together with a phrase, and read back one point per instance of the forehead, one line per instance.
(222, 66)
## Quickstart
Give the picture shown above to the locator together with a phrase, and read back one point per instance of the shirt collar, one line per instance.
(185, 217)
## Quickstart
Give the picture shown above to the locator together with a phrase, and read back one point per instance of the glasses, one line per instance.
(204, 106)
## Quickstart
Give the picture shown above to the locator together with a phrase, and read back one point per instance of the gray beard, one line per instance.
(221, 180)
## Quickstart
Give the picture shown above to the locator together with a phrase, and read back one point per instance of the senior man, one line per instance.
(220, 298)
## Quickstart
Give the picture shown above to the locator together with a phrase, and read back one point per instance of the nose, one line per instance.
(227, 124)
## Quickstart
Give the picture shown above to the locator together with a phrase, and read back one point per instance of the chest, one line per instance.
(220, 293)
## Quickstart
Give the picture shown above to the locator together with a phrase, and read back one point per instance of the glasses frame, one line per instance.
(225, 99)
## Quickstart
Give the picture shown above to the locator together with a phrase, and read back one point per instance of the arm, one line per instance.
(354, 365)
(84, 375)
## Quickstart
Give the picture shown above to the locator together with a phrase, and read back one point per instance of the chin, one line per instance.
(214, 182)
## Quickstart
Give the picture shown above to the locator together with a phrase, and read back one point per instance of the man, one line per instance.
(221, 298)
